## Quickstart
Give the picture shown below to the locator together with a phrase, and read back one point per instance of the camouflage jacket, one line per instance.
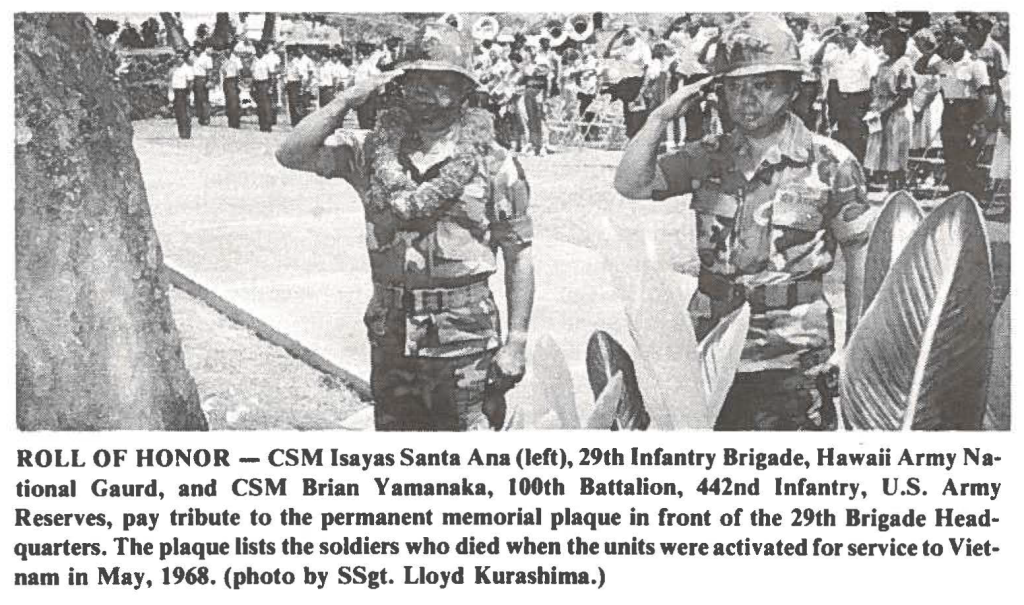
(457, 247)
(777, 225)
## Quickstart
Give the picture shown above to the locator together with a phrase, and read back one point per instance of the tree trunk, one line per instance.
(223, 33)
(269, 20)
(97, 345)
(175, 32)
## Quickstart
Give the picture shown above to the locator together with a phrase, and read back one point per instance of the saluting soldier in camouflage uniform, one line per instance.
(772, 201)
(440, 198)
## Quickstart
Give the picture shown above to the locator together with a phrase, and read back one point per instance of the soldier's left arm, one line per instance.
(513, 233)
(849, 221)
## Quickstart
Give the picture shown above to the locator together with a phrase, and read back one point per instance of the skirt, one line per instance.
(889, 149)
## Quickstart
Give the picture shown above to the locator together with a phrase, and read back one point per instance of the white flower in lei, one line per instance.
(390, 188)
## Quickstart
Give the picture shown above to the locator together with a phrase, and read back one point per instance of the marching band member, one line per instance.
(229, 72)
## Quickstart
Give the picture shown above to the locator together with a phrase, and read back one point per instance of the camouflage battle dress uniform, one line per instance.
(432, 322)
(768, 237)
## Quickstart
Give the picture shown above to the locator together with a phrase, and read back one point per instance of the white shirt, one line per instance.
(687, 59)
(342, 75)
(808, 48)
(181, 77)
(295, 71)
(202, 65)
(272, 60)
(961, 80)
(260, 69)
(368, 68)
(854, 69)
(231, 66)
(639, 53)
(307, 65)
(325, 74)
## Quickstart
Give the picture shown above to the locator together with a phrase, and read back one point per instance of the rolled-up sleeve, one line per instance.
(511, 224)
(343, 155)
(847, 214)
(680, 168)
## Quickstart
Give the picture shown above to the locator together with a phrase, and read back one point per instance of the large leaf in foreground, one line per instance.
(997, 410)
(553, 390)
(606, 404)
(893, 228)
(917, 359)
(668, 368)
(720, 353)
(606, 359)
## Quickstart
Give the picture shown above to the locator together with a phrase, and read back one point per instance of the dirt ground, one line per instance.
(246, 383)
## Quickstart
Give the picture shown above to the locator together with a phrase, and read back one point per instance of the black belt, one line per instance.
(764, 298)
(847, 95)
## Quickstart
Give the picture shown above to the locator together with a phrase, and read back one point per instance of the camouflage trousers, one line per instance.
(777, 400)
(429, 393)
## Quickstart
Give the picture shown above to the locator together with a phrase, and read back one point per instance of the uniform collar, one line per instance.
(793, 141)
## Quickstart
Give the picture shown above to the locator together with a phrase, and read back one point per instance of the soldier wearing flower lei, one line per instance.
(440, 198)
(772, 202)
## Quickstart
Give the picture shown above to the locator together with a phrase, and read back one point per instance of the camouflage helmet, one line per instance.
(441, 47)
(758, 43)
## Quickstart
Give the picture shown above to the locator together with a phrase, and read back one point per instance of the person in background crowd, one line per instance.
(773, 202)
(536, 81)
(687, 68)
(342, 71)
(979, 41)
(273, 61)
(926, 103)
(295, 81)
(852, 65)
(888, 148)
(507, 96)
(308, 92)
(657, 77)
(968, 103)
(549, 59)
(326, 78)
(261, 88)
(1000, 172)
(368, 69)
(498, 92)
(230, 69)
(635, 51)
(440, 198)
(201, 67)
(585, 76)
(808, 105)
(181, 81)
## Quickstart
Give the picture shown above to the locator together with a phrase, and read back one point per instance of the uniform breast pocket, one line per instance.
(799, 208)
(796, 221)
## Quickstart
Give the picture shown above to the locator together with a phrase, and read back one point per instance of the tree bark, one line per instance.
(175, 32)
(96, 343)
(269, 20)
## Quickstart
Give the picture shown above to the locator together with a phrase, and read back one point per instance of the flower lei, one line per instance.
(390, 188)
